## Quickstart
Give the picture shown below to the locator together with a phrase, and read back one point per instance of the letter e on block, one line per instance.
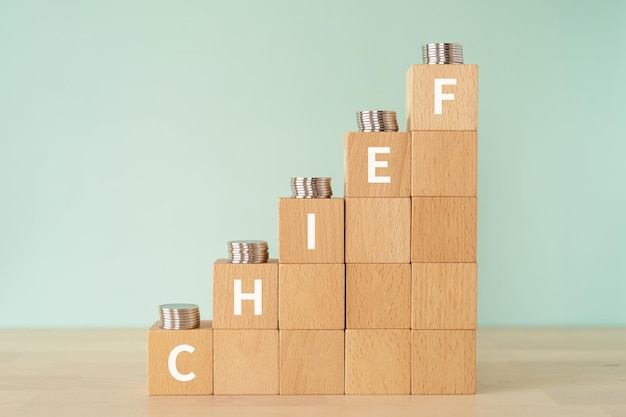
(377, 164)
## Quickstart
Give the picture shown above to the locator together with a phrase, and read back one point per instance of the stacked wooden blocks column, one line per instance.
(442, 117)
(245, 328)
(378, 270)
(375, 293)
(312, 295)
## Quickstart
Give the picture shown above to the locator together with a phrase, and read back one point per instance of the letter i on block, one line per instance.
(442, 97)
(311, 231)
(180, 362)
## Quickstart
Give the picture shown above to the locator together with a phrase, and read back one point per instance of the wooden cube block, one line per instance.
(444, 296)
(378, 361)
(443, 229)
(246, 361)
(378, 296)
(378, 230)
(245, 296)
(312, 296)
(442, 97)
(311, 361)
(377, 164)
(443, 362)
(180, 362)
(444, 163)
(311, 231)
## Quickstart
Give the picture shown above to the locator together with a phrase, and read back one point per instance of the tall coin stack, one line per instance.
(311, 187)
(442, 53)
(377, 121)
(179, 316)
(247, 251)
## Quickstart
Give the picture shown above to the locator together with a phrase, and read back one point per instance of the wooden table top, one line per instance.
(521, 372)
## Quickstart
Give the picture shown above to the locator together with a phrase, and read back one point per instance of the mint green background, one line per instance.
(137, 137)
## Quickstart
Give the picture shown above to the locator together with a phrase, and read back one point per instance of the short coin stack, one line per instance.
(442, 53)
(377, 121)
(179, 316)
(311, 187)
(247, 251)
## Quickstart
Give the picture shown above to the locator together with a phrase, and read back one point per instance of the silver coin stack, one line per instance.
(442, 53)
(247, 251)
(311, 187)
(377, 121)
(179, 316)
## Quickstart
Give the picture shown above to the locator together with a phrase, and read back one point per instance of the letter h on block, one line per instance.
(245, 296)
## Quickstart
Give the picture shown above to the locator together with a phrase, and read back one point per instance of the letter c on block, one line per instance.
(171, 363)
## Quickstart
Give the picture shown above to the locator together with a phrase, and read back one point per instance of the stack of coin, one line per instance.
(311, 187)
(377, 121)
(442, 53)
(247, 252)
(179, 316)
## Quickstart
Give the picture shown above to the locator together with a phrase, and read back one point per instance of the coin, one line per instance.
(311, 187)
(247, 251)
(179, 316)
(377, 121)
(442, 53)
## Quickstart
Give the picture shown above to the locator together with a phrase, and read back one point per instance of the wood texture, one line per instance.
(444, 163)
(458, 114)
(378, 361)
(443, 229)
(245, 362)
(200, 361)
(443, 361)
(312, 296)
(311, 361)
(378, 230)
(224, 275)
(444, 296)
(293, 231)
(357, 161)
(541, 372)
(378, 296)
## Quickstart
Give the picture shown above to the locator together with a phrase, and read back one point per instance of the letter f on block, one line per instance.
(256, 296)
(439, 95)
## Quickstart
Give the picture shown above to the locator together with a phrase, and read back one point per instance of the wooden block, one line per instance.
(246, 361)
(443, 362)
(311, 231)
(443, 229)
(444, 296)
(377, 230)
(378, 361)
(377, 164)
(444, 163)
(311, 361)
(180, 362)
(442, 97)
(255, 306)
(378, 296)
(312, 296)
